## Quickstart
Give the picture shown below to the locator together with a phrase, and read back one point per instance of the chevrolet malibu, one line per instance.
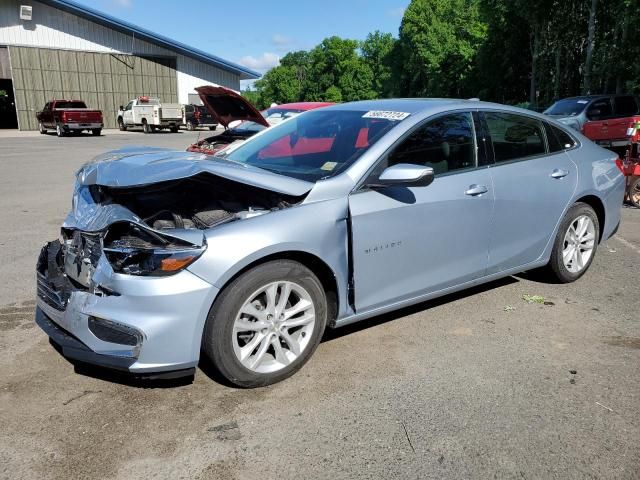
(326, 219)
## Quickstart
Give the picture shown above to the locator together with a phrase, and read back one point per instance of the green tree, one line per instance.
(439, 40)
(377, 50)
(335, 63)
(280, 85)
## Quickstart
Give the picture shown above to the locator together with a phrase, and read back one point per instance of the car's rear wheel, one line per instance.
(96, 131)
(146, 128)
(213, 127)
(174, 129)
(190, 126)
(59, 130)
(634, 192)
(575, 244)
(41, 128)
(266, 324)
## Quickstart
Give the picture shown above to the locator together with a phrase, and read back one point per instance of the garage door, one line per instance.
(102, 80)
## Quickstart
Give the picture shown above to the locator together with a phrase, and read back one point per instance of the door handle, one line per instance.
(558, 173)
(475, 190)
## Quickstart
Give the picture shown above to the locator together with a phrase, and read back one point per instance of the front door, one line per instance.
(127, 114)
(410, 241)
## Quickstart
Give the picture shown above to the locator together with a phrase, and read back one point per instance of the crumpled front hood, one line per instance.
(139, 166)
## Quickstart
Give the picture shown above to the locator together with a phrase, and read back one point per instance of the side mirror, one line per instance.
(595, 113)
(405, 174)
(121, 107)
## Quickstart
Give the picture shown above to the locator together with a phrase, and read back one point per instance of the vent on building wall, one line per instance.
(26, 12)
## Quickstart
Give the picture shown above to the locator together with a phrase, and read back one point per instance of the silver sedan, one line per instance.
(328, 218)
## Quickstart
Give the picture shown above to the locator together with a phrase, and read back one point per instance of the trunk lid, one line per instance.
(227, 106)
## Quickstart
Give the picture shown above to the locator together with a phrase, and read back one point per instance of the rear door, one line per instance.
(533, 182)
(624, 109)
(410, 241)
(599, 114)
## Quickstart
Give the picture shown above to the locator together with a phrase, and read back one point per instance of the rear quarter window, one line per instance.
(558, 139)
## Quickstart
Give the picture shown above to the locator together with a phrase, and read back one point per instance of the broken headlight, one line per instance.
(156, 262)
(136, 251)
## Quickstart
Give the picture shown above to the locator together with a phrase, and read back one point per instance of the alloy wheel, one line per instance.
(273, 327)
(579, 242)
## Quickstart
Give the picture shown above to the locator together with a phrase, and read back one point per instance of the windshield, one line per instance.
(272, 115)
(276, 115)
(315, 145)
(568, 107)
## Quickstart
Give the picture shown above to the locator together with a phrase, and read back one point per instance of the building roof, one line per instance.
(143, 34)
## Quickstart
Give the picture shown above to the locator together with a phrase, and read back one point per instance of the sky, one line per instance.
(256, 33)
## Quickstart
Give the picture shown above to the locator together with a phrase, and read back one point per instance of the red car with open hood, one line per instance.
(229, 108)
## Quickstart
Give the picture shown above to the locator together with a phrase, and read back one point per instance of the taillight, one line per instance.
(620, 165)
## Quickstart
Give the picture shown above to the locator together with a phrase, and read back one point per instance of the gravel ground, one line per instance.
(460, 387)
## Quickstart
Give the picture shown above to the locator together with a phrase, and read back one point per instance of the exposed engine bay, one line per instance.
(212, 145)
(156, 232)
(202, 201)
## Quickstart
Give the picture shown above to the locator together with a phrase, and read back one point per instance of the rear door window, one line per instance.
(625, 106)
(514, 137)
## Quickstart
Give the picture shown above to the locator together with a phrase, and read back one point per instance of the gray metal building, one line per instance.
(60, 49)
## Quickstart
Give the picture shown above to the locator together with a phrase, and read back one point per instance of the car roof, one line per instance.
(415, 105)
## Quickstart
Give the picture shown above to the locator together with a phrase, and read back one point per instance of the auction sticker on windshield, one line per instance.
(385, 114)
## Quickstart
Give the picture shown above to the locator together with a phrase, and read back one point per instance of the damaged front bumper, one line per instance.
(149, 326)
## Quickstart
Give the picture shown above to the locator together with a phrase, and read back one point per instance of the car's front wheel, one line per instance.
(575, 244)
(41, 128)
(266, 324)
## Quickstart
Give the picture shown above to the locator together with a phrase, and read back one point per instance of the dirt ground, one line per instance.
(474, 385)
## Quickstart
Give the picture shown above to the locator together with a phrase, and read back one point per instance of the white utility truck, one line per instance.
(150, 114)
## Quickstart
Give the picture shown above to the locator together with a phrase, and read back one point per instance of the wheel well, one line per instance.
(597, 205)
(313, 263)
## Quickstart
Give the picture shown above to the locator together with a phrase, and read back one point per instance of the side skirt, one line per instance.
(341, 322)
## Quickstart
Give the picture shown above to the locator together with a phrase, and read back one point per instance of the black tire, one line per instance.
(41, 128)
(213, 128)
(190, 126)
(60, 131)
(556, 268)
(217, 340)
(146, 128)
(634, 192)
(121, 126)
(96, 132)
(174, 129)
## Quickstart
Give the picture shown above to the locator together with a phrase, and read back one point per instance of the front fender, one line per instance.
(318, 229)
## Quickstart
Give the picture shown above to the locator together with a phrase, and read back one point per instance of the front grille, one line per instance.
(113, 332)
(49, 295)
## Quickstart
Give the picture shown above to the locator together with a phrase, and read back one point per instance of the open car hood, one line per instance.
(138, 166)
(227, 106)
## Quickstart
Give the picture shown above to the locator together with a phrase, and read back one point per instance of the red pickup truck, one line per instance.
(69, 116)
